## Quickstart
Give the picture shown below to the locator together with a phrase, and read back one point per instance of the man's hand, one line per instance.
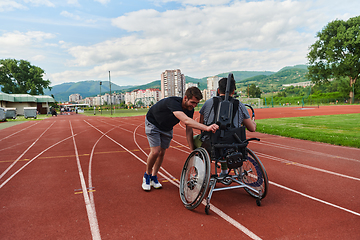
(212, 128)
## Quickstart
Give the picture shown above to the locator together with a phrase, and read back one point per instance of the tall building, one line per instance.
(172, 83)
(75, 97)
(212, 85)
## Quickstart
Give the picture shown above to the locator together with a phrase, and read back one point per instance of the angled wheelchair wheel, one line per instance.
(252, 173)
(195, 177)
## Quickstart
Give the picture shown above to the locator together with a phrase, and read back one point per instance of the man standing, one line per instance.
(159, 123)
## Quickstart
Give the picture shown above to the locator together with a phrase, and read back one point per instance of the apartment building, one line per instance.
(212, 86)
(146, 97)
(75, 97)
(172, 83)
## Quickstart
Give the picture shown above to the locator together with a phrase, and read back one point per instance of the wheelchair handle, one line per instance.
(252, 110)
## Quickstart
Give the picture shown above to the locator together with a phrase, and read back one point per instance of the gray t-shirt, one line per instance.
(208, 111)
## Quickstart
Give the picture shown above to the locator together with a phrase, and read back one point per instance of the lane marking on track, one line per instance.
(18, 131)
(288, 162)
(21, 155)
(69, 156)
(14, 174)
(213, 208)
(221, 214)
(302, 150)
(314, 198)
(91, 195)
(94, 226)
(89, 191)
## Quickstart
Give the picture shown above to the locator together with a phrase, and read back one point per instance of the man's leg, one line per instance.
(154, 160)
(158, 162)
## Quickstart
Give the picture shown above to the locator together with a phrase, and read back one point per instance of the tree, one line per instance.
(336, 53)
(254, 91)
(19, 76)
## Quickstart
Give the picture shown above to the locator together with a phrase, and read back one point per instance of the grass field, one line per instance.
(118, 112)
(341, 129)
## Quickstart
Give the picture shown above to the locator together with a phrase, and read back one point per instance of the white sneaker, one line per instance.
(154, 182)
(146, 183)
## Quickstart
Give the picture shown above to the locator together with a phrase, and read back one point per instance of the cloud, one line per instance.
(70, 15)
(202, 38)
(195, 2)
(9, 5)
(104, 2)
(204, 41)
(40, 2)
(23, 45)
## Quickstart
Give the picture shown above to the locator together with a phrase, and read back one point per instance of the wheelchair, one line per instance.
(226, 146)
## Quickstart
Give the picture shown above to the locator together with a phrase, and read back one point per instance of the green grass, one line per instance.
(343, 129)
(22, 118)
(118, 112)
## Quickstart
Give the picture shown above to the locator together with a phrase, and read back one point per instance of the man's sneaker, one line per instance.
(154, 182)
(146, 182)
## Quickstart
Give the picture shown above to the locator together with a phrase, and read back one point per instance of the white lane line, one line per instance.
(221, 214)
(305, 166)
(127, 150)
(94, 226)
(175, 181)
(312, 168)
(25, 151)
(7, 180)
(316, 199)
(213, 208)
(303, 150)
(91, 194)
(18, 131)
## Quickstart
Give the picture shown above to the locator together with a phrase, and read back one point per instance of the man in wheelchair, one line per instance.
(236, 117)
(227, 147)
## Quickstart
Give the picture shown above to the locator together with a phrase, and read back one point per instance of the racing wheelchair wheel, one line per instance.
(252, 173)
(195, 177)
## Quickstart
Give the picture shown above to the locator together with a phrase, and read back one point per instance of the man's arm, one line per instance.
(194, 124)
(250, 124)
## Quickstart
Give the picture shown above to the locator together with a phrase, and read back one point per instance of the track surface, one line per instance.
(77, 177)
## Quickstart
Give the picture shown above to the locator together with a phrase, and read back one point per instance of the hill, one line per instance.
(90, 88)
(263, 79)
(275, 81)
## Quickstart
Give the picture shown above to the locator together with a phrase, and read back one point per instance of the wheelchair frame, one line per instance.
(249, 173)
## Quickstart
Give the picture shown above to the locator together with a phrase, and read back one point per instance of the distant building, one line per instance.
(114, 99)
(172, 83)
(212, 86)
(299, 84)
(146, 97)
(75, 97)
(190, 84)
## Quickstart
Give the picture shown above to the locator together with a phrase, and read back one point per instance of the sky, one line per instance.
(137, 40)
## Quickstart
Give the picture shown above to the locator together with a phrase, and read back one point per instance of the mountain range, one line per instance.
(265, 80)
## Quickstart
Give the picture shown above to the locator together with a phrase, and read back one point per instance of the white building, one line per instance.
(172, 83)
(212, 86)
(190, 84)
(75, 97)
(300, 84)
(146, 97)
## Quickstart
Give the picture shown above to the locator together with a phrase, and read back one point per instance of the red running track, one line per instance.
(77, 177)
